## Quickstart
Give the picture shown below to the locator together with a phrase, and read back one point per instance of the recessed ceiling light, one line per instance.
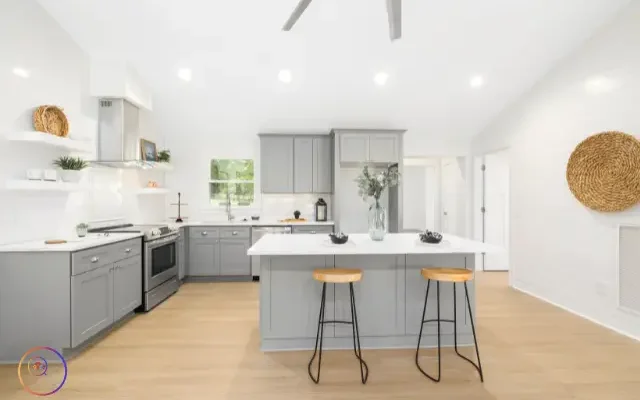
(381, 78)
(284, 76)
(184, 74)
(22, 73)
(476, 81)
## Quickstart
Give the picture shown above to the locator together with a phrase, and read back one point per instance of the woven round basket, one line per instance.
(604, 171)
(51, 119)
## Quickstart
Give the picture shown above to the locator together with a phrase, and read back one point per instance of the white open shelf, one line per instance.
(48, 139)
(152, 191)
(139, 165)
(47, 186)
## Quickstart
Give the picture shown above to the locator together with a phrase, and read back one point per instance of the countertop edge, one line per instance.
(15, 248)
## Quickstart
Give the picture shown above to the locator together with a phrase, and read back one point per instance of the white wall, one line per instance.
(58, 74)
(560, 250)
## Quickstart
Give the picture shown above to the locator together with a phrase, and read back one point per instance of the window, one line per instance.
(232, 178)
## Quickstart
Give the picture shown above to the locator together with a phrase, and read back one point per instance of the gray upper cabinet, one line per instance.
(354, 147)
(322, 165)
(369, 147)
(234, 260)
(296, 164)
(383, 147)
(303, 165)
(127, 286)
(276, 164)
(204, 258)
(91, 303)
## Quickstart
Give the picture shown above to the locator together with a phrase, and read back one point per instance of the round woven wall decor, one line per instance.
(604, 171)
(51, 119)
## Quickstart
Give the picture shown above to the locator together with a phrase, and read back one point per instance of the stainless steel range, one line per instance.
(160, 267)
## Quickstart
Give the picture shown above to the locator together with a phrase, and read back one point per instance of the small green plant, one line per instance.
(82, 225)
(70, 163)
(164, 156)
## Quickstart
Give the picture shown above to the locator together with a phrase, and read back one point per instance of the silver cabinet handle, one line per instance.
(95, 259)
(204, 233)
(234, 233)
(127, 250)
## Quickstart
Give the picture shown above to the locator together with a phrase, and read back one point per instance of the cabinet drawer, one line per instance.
(203, 232)
(313, 229)
(235, 233)
(90, 259)
(126, 249)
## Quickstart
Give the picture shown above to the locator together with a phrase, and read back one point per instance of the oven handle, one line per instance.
(161, 242)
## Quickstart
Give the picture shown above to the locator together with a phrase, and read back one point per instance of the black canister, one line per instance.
(321, 210)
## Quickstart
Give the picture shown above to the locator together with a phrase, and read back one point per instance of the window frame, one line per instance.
(228, 182)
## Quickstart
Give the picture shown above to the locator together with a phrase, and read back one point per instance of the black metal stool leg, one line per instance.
(455, 331)
(422, 322)
(319, 335)
(475, 340)
(364, 368)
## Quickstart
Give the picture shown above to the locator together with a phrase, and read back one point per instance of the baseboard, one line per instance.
(616, 330)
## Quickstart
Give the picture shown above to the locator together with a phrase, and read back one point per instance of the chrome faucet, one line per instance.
(230, 216)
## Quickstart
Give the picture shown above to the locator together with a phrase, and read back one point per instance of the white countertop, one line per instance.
(73, 244)
(393, 243)
(261, 222)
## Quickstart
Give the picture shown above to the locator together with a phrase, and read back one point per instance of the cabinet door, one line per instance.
(234, 260)
(91, 303)
(182, 256)
(276, 164)
(127, 286)
(204, 258)
(303, 165)
(354, 147)
(383, 148)
(322, 165)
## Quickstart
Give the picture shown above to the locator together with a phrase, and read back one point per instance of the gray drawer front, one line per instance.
(235, 233)
(319, 229)
(203, 232)
(126, 249)
(90, 259)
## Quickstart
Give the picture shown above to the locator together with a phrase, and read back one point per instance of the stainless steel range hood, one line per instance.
(119, 135)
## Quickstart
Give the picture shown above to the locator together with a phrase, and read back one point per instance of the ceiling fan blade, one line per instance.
(394, 12)
(295, 15)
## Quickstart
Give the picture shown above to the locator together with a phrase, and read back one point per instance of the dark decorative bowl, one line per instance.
(430, 237)
(340, 238)
(255, 218)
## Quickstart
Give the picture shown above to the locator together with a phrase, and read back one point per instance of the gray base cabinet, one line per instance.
(233, 257)
(219, 251)
(127, 286)
(182, 255)
(313, 229)
(204, 257)
(91, 303)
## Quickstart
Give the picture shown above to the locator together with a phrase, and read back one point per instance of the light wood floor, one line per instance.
(203, 344)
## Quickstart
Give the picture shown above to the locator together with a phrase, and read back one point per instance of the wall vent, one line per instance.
(629, 268)
(106, 103)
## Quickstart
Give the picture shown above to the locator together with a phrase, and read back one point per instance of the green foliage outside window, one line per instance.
(233, 177)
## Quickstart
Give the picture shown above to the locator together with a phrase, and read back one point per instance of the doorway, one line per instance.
(494, 208)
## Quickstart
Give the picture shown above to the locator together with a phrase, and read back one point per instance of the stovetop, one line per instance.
(151, 232)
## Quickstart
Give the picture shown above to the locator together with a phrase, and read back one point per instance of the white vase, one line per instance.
(71, 176)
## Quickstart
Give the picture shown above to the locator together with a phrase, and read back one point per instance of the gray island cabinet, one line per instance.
(62, 299)
(389, 298)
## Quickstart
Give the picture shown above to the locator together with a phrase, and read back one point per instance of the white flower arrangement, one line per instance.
(373, 184)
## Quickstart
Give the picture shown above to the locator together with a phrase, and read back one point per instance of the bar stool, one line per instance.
(454, 276)
(338, 275)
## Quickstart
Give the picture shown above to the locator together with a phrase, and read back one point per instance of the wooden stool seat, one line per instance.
(447, 274)
(337, 275)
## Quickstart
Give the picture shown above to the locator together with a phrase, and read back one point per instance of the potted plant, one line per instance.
(372, 185)
(164, 156)
(70, 168)
(81, 229)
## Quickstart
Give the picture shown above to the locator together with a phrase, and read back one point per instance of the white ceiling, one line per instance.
(235, 49)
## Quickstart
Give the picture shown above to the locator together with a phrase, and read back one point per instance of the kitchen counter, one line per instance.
(267, 222)
(389, 298)
(74, 244)
(360, 243)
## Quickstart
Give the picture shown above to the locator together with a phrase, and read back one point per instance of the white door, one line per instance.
(496, 206)
(452, 197)
(414, 207)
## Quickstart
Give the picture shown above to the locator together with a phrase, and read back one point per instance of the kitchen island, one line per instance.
(389, 299)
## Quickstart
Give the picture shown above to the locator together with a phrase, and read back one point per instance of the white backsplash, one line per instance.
(283, 205)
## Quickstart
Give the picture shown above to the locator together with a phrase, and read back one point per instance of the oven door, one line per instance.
(160, 261)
